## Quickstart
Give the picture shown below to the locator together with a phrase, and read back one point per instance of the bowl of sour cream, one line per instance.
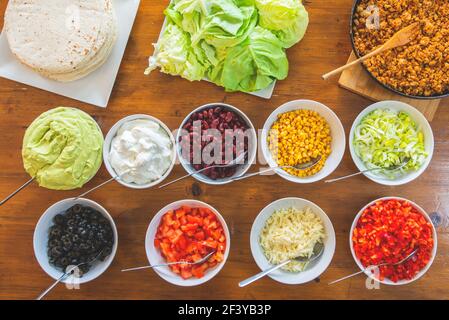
(139, 150)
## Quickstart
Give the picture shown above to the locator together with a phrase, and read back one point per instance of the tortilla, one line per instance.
(61, 39)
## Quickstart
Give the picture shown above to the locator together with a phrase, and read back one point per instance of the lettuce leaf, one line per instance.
(174, 55)
(288, 19)
(253, 64)
(221, 23)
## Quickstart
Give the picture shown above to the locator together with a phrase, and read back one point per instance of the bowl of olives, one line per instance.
(75, 233)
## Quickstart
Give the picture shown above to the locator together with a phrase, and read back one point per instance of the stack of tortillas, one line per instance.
(63, 40)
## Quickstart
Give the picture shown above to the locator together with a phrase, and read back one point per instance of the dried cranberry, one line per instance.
(227, 122)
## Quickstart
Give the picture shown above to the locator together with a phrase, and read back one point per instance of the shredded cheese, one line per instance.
(290, 233)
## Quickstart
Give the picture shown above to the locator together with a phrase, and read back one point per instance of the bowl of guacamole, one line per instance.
(62, 149)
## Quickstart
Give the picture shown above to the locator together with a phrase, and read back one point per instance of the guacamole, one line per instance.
(62, 149)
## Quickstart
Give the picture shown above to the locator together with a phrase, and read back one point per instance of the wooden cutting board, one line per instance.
(357, 80)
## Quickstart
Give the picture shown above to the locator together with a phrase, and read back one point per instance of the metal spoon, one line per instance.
(392, 168)
(115, 178)
(301, 166)
(66, 274)
(204, 259)
(26, 184)
(318, 250)
(232, 163)
(376, 266)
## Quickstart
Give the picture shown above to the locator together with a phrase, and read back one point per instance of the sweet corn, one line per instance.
(297, 137)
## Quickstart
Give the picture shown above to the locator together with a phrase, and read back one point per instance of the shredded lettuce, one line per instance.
(384, 138)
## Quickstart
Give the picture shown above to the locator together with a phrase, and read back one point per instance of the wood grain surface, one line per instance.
(325, 47)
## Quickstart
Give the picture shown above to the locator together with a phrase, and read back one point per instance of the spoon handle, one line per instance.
(249, 175)
(347, 277)
(153, 266)
(344, 177)
(17, 191)
(352, 175)
(97, 187)
(350, 64)
(43, 294)
(262, 274)
(181, 178)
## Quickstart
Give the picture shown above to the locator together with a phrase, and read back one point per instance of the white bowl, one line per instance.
(338, 143)
(242, 169)
(40, 240)
(388, 281)
(107, 148)
(316, 268)
(422, 123)
(154, 256)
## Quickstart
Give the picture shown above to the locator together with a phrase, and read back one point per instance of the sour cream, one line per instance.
(141, 152)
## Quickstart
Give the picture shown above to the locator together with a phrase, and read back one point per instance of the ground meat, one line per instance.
(420, 68)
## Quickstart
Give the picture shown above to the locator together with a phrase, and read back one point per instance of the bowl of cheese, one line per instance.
(289, 228)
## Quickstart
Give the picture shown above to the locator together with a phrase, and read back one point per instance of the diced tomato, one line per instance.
(189, 227)
(198, 271)
(200, 235)
(188, 234)
(182, 243)
(186, 274)
(195, 220)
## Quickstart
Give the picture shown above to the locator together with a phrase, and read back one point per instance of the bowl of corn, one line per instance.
(298, 132)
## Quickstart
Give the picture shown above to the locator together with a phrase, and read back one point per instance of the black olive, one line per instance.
(84, 268)
(75, 238)
(84, 246)
(56, 252)
(54, 243)
(64, 261)
(58, 219)
(77, 208)
(55, 232)
(67, 239)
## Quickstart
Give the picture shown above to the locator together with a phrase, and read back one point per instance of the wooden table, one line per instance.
(325, 47)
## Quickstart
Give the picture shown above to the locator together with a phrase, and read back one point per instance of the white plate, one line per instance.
(316, 268)
(154, 256)
(95, 88)
(422, 123)
(264, 93)
(338, 143)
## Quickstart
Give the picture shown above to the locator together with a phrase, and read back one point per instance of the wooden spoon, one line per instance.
(400, 38)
